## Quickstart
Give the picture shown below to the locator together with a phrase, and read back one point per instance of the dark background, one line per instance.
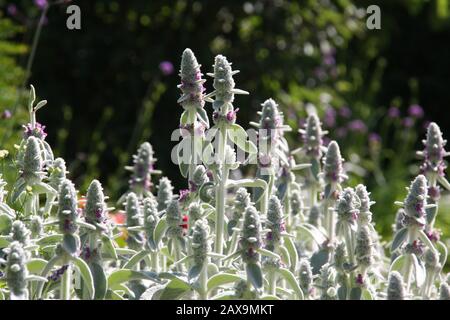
(107, 93)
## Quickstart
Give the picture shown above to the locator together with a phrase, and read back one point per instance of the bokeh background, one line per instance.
(112, 84)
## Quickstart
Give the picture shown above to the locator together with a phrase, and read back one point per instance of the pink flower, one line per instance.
(41, 4)
(415, 111)
(393, 112)
(166, 68)
(12, 10)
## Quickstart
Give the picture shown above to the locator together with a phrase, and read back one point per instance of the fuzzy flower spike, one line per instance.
(192, 98)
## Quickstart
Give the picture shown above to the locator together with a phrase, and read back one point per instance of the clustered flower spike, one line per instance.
(241, 202)
(333, 172)
(340, 256)
(275, 223)
(191, 86)
(32, 162)
(347, 206)
(199, 177)
(271, 121)
(165, 193)
(224, 87)
(142, 169)
(67, 207)
(365, 216)
(37, 130)
(416, 201)
(327, 282)
(20, 233)
(133, 210)
(134, 214)
(95, 209)
(200, 243)
(296, 201)
(16, 271)
(399, 220)
(431, 258)
(444, 291)
(395, 289)
(364, 247)
(36, 226)
(305, 275)
(174, 220)
(57, 173)
(151, 217)
(434, 152)
(195, 212)
(312, 136)
(250, 241)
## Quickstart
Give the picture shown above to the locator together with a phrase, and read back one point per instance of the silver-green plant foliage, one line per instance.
(165, 193)
(16, 271)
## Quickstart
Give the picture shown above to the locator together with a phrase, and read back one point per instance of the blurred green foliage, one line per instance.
(107, 93)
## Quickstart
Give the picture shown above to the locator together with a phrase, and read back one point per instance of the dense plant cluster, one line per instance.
(294, 230)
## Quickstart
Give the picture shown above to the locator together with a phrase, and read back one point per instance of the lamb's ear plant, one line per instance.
(412, 235)
(67, 252)
(312, 150)
(286, 233)
(226, 129)
(17, 275)
(142, 170)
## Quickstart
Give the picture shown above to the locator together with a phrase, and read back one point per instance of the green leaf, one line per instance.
(125, 251)
(293, 283)
(318, 259)
(4, 242)
(160, 229)
(313, 234)
(86, 275)
(134, 260)
(36, 265)
(19, 188)
(51, 239)
(70, 243)
(426, 240)
(398, 263)
(44, 188)
(355, 293)
(5, 223)
(184, 167)
(366, 294)
(175, 289)
(443, 252)
(399, 238)
(100, 281)
(293, 254)
(184, 117)
(203, 116)
(285, 257)
(85, 225)
(125, 275)
(222, 279)
(238, 135)
(419, 271)
(50, 264)
(315, 168)
(194, 272)
(108, 247)
(254, 275)
(6, 210)
(269, 254)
